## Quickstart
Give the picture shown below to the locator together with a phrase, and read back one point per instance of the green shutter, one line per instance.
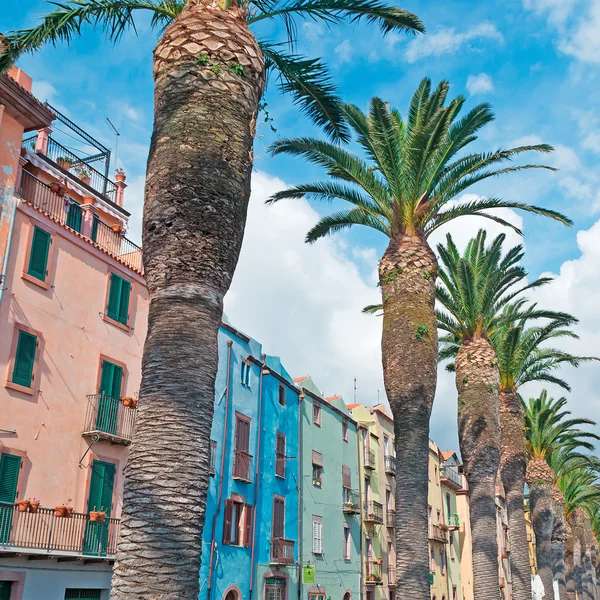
(24, 359)
(118, 299)
(111, 378)
(95, 228)
(9, 477)
(5, 590)
(38, 257)
(101, 487)
(74, 216)
(124, 304)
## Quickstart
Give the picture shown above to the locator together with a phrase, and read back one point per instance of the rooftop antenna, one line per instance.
(378, 402)
(355, 390)
(118, 135)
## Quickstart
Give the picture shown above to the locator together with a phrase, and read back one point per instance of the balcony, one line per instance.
(373, 512)
(373, 573)
(392, 577)
(351, 504)
(44, 533)
(110, 419)
(451, 477)
(453, 522)
(390, 464)
(370, 459)
(66, 212)
(390, 517)
(438, 534)
(242, 466)
(282, 552)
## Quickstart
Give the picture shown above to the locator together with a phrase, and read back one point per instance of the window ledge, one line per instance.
(19, 388)
(280, 476)
(27, 277)
(115, 323)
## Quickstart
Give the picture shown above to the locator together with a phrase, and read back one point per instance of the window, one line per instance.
(448, 506)
(317, 414)
(439, 518)
(346, 477)
(118, 299)
(432, 560)
(345, 430)
(10, 466)
(238, 522)
(279, 517)
(5, 590)
(386, 445)
(429, 517)
(454, 593)
(442, 561)
(38, 254)
(316, 596)
(437, 478)
(74, 216)
(280, 455)
(213, 456)
(281, 395)
(347, 549)
(82, 594)
(24, 359)
(317, 540)
(388, 500)
(451, 544)
(367, 489)
(245, 373)
(242, 463)
(274, 588)
(317, 471)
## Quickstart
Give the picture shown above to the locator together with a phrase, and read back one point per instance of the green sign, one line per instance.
(308, 575)
(430, 578)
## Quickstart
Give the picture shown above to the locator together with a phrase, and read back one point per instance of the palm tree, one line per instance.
(523, 357)
(210, 74)
(472, 293)
(551, 437)
(402, 187)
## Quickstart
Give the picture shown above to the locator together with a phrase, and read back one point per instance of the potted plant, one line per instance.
(317, 482)
(130, 402)
(117, 228)
(120, 174)
(97, 516)
(58, 188)
(65, 162)
(23, 505)
(83, 172)
(379, 560)
(34, 504)
(64, 510)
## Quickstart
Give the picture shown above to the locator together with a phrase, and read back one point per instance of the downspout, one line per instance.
(300, 484)
(221, 475)
(362, 507)
(257, 472)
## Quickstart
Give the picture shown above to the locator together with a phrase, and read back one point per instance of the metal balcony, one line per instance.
(438, 534)
(351, 503)
(109, 419)
(392, 577)
(390, 464)
(453, 522)
(373, 573)
(242, 466)
(373, 512)
(282, 552)
(390, 517)
(370, 459)
(451, 477)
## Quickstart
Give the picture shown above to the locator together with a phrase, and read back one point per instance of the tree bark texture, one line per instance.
(477, 381)
(540, 479)
(513, 466)
(559, 540)
(588, 536)
(569, 566)
(576, 528)
(197, 192)
(407, 274)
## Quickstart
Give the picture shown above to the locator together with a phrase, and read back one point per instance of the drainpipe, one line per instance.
(362, 505)
(300, 484)
(257, 472)
(221, 475)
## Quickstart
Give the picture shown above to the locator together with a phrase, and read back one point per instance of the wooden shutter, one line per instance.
(317, 541)
(38, 257)
(317, 458)
(280, 455)
(278, 518)
(124, 302)
(227, 522)
(247, 524)
(281, 395)
(111, 378)
(9, 477)
(24, 359)
(346, 477)
(101, 486)
(114, 297)
(242, 434)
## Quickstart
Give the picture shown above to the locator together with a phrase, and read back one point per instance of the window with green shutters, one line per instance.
(111, 378)
(38, 256)
(82, 594)
(102, 480)
(10, 466)
(24, 359)
(118, 299)
(5, 590)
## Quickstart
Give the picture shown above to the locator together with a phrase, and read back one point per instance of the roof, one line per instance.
(383, 412)
(446, 454)
(351, 406)
(23, 106)
(298, 379)
(332, 398)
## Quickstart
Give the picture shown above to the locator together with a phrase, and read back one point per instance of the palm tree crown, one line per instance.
(305, 79)
(412, 168)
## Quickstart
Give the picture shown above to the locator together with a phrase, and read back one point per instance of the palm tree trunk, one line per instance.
(197, 191)
(569, 565)
(588, 588)
(477, 381)
(559, 539)
(407, 273)
(576, 526)
(540, 479)
(513, 466)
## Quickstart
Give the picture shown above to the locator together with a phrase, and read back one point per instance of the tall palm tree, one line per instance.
(523, 357)
(474, 289)
(551, 437)
(209, 73)
(402, 186)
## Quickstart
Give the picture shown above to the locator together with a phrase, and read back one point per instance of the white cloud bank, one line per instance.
(479, 84)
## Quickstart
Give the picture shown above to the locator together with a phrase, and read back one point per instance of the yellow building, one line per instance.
(530, 541)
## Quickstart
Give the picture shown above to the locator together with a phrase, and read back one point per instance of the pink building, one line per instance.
(73, 312)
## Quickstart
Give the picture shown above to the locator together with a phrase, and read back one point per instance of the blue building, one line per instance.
(250, 538)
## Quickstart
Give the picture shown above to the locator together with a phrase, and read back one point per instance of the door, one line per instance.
(111, 378)
(99, 499)
(9, 477)
(74, 216)
(5, 588)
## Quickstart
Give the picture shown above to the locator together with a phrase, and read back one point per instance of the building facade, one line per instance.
(330, 556)
(73, 313)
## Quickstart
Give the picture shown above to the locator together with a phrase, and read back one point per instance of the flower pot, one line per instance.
(69, 511)
(379, 560)
(120, 177)
(23, 505)
(33, 506)
(66, 165)
(97, 516)
(130, 402)
(85, 179)
(61, 511)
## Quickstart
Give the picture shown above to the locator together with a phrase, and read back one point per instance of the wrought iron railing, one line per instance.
(44, 530)
(390, 517)
(451, 474)
(351, 501)
(370, 459)
(438, 534)
(110, 417)
(242, 466)
(453, 521)
(390, 464)
(282, 551)
(373, 512)
(68, 213)
(373, 573)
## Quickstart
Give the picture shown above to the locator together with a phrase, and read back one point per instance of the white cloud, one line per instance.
(447, 39)
(479, 84)
(44, 90)
(557, 10)
(344, 52)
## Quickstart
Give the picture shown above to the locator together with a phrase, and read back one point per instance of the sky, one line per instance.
(536, 61)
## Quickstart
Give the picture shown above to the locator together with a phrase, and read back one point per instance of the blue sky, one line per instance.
(536, 61)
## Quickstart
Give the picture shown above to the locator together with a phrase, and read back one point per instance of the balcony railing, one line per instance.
(370, 459)
(391, 576)
(69, 213)
(373, 512)
(242, 466)
(451, 476)
(282, 552)
(109, 418)
(351, 503)
(453, 522)
(390, 464)
(373, 573)
(438, 534)
(43, 531)
(390, 517)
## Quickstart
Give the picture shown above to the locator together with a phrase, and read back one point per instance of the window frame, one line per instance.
(281, 395)
(105, 316)
(280, 461)
(316, 418)
(25, 274)
(102, 358)
(345, 430)
(316, 519)
(347, 549)
(243, 524)
(39, 349)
